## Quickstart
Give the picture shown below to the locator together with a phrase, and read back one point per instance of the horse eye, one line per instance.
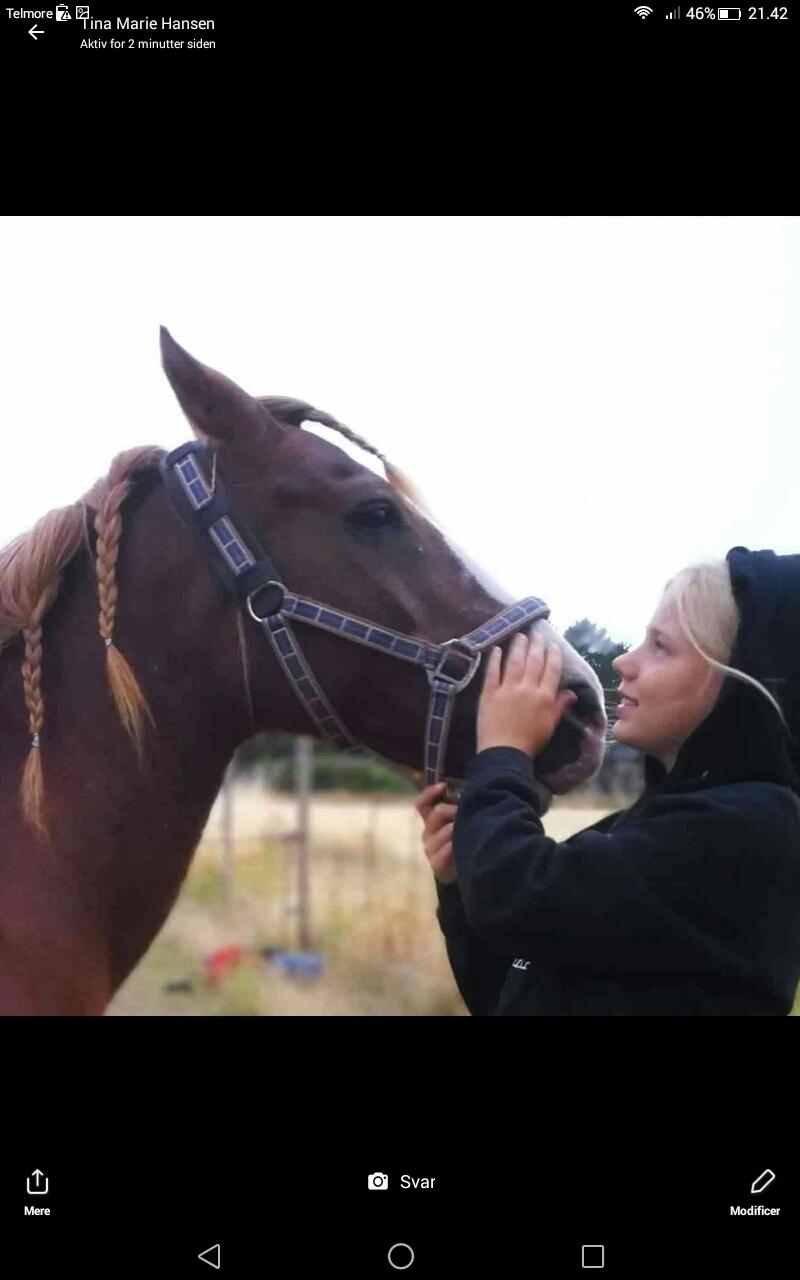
(371, 517)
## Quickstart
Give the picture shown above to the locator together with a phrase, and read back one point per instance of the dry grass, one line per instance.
(372, 914)
(372, 911)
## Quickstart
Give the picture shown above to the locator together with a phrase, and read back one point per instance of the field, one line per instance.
(372, 906)
(372, 912)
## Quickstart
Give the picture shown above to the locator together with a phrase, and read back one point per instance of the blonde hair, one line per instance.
(31, 573)
(710, 618)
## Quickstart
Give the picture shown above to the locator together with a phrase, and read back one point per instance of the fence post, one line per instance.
(303, 759)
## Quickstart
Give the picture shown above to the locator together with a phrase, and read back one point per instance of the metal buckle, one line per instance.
(465, 652)
(270, 612)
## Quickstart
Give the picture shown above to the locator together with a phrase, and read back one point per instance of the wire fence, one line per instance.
(331, 867)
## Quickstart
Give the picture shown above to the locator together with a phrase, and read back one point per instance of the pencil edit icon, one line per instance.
(763, 1180)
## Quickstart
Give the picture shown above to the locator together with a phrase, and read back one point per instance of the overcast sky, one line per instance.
(587, 403)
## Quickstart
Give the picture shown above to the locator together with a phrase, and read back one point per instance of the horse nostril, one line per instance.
(574, 687)
(579, 687)
(586, 706)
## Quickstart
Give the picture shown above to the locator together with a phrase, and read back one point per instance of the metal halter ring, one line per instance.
(462, 650)
(281, 590)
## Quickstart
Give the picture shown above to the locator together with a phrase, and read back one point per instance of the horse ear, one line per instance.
(216, 407)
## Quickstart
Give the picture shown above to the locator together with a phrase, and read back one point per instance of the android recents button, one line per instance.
(400, 1256)
(593, 1255)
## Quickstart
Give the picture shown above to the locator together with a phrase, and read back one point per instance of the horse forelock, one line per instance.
(295, 412)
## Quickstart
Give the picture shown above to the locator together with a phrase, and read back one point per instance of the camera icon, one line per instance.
(378, 1182)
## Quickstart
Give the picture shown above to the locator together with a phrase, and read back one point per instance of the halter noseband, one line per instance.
(249, 576)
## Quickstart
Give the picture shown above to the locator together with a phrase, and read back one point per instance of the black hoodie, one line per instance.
(686, 903)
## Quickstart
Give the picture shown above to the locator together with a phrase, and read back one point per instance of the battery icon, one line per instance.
(729, 15)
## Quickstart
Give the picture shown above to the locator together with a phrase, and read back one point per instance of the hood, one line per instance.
(743, 738)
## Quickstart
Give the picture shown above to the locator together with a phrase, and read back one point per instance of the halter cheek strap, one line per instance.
(247, 573)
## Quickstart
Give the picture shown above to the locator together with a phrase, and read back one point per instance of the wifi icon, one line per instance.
(643, 11)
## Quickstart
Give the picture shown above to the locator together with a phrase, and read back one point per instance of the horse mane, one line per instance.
(32, 566)
(31, 572)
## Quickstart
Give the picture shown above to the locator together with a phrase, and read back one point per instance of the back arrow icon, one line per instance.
(211, 1256)
(35, 31)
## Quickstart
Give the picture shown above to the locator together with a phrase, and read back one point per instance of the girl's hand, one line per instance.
(437, 839)
(522, 707)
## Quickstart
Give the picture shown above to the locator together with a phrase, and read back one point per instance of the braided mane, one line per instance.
(32, 567)
(31, 572)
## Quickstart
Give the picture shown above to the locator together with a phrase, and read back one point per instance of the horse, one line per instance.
(129, 675)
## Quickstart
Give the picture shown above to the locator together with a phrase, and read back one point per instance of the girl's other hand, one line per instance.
(437, 838)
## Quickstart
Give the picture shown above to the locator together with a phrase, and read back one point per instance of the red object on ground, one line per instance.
(219, 963)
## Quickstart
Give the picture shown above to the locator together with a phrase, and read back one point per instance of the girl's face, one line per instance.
(674, 688)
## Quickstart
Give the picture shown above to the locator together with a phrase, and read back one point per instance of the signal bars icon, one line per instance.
(643, 11)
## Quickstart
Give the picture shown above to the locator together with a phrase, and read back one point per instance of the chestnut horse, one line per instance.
(128, 676)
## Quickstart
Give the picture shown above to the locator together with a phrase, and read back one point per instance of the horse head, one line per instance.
(344, 536)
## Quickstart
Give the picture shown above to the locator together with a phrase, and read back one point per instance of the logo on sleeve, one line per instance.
(520, 963)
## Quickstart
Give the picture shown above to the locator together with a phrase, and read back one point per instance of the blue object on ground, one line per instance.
(299, 964)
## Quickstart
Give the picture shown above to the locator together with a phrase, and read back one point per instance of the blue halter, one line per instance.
(249, 575)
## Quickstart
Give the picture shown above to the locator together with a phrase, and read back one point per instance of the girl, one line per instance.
(689, 901)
